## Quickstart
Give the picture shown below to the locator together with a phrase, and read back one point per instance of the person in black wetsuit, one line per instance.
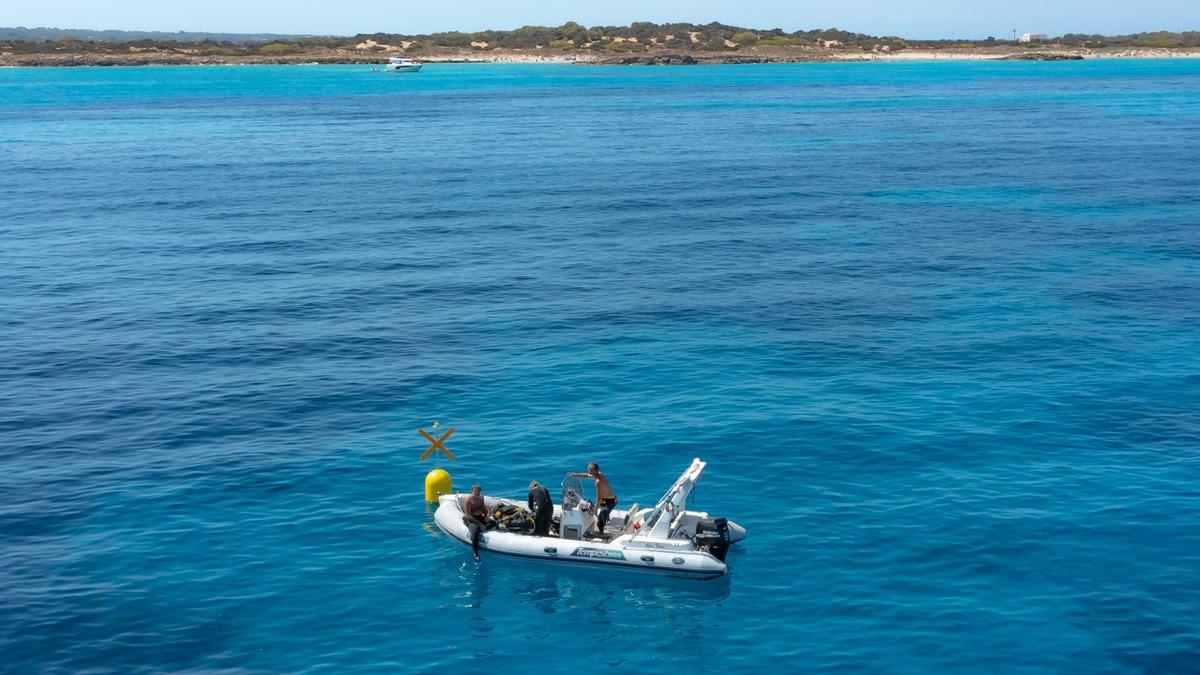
(542, 508)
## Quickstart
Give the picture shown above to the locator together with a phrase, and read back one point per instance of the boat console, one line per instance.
(576, 519)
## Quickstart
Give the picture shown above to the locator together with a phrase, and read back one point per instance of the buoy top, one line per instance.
(437, 483)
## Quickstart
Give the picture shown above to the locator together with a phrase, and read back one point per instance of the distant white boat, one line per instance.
(400, 64)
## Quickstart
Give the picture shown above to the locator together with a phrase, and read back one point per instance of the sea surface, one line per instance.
(934, 326)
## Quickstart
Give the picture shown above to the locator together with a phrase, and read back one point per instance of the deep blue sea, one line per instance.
(934, 326)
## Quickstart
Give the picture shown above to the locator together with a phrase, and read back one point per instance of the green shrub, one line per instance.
(621, 46)
(71, 44)
(277, 49)
(746, 38)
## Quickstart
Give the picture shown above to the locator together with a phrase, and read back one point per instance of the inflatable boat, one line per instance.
(665, 539)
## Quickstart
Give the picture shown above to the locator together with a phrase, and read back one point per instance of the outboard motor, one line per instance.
(713, 535)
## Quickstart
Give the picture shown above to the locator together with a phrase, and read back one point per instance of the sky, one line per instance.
(972, 19)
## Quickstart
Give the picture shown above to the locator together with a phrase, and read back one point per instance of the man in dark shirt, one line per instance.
(475, 517)
(542, 508)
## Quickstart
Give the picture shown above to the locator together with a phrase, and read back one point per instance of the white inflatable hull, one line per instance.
(626, 553)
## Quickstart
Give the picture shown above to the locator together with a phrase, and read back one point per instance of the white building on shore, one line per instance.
(1032, 37)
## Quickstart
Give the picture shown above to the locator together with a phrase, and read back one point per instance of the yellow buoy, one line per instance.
(437, 483)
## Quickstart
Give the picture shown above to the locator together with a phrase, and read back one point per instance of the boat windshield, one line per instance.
(572, 492)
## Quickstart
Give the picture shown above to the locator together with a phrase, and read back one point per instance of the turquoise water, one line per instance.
(934, 326)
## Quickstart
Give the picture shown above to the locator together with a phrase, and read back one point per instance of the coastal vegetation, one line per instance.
(640, 35)
(703, 42)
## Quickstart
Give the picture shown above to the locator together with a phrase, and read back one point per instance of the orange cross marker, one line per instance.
(437, 443)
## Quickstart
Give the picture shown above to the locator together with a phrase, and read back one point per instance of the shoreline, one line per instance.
(746, 56)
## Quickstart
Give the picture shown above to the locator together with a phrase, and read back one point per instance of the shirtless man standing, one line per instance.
(606, 499)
